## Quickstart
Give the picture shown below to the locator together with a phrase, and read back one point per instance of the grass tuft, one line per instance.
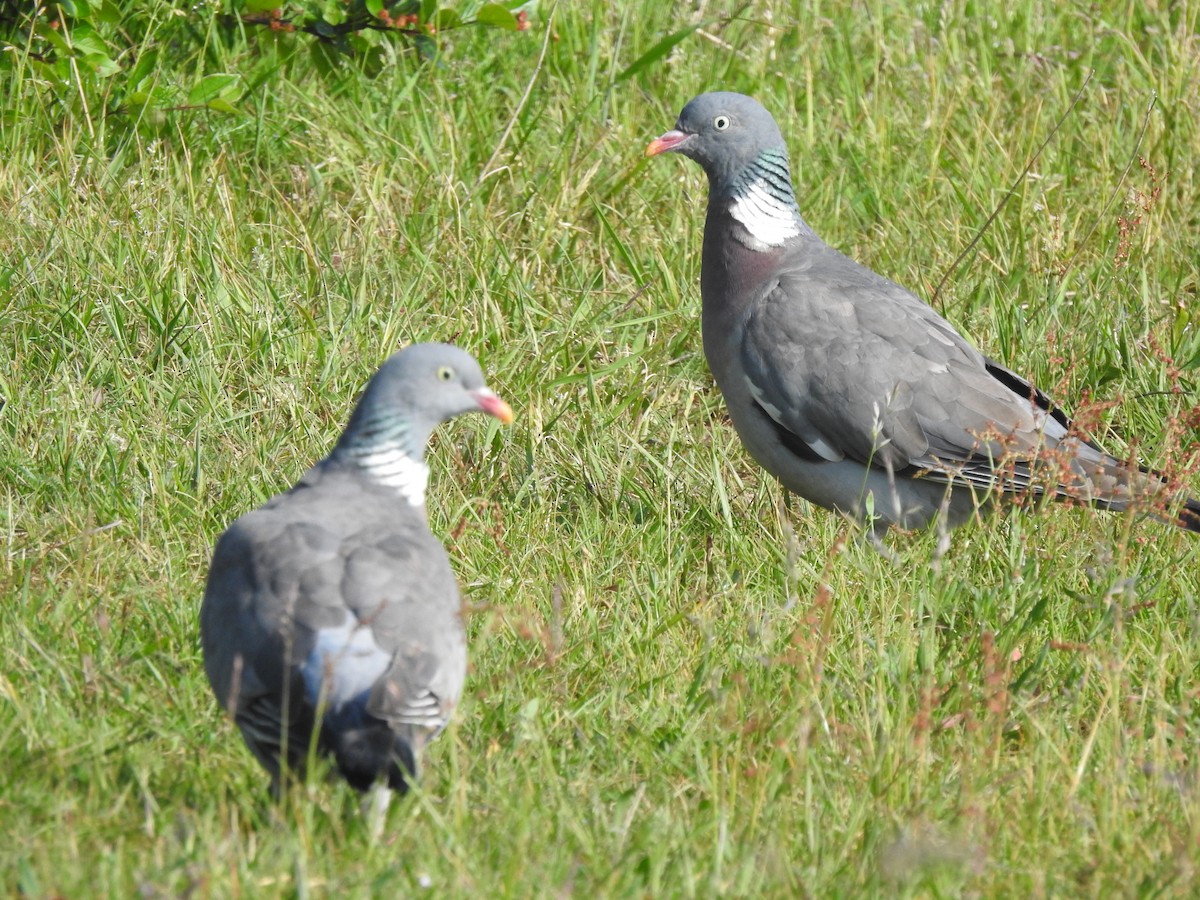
(682, 683)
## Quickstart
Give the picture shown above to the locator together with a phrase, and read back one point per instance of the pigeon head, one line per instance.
(742, 151)
(413, 392)
(725, 133)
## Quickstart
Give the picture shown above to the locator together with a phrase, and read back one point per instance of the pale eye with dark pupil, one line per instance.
(721, 123)
(445, 374)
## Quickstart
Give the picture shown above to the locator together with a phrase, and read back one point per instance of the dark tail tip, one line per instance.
(368, 755)
(1189, 516)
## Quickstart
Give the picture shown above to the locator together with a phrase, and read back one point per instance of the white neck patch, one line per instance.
(769, 221)
(395, 468)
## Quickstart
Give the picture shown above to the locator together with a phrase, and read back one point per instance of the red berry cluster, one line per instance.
(403, 21)
(277, 23)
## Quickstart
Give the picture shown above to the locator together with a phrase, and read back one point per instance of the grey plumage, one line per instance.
(848, 388)
(331, 617)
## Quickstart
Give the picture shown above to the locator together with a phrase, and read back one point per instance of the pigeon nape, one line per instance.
(331, 619)
(848, 388)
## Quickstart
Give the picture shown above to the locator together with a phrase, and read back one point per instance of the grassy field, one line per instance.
(683, 683)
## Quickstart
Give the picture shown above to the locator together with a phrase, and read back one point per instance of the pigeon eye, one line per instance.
(721, 123)
(445, 373)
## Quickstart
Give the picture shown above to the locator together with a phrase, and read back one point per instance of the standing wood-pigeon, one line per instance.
(331, 620)
(848, 388)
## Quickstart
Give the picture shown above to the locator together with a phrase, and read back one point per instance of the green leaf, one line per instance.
(426, 46)
(145, 65)
(101, 65)
(661, 49)
(220, 104)
(333, 12)
(445, 19)
(58, 71)
(52, 37)
(261, 6)
(1107, 373)
(85, 42)
(108, 12)
(375, 7)
(496, 16)
(210, 87)
(325, 58)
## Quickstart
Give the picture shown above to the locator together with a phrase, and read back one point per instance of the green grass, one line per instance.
(681, 684)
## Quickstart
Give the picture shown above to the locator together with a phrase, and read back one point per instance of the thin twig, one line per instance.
(1137, 145)
(512, 122)
(55, 545)
(1012, 190)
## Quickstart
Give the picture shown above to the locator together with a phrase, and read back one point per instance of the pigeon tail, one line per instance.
(372, 754)
(1189, 516)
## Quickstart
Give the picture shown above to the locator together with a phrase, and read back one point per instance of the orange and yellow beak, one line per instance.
(493, 405)
(669, 141)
